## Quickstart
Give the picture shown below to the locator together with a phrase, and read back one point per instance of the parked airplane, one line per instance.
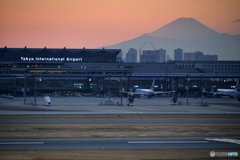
(148, 92)
(236, 94)
(228, 92)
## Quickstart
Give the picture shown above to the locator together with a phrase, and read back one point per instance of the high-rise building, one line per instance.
(192, 56)
(119, 57)
(148, 56)
(178, 54)
(157, 56)
(208, 58)
(198, 54)
(161, 55)
(131, 56)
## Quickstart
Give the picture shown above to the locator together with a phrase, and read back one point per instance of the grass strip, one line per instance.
(117, 130)
(109, 155)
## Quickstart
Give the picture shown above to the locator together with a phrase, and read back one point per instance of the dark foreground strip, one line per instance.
(119, 122)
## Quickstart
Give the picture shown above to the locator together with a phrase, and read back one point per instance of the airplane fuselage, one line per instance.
(144, 92)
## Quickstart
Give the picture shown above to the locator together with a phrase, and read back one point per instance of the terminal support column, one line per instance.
(121, 90)
(25, 88)
(166, 78)
(35, 90)
(109, 89)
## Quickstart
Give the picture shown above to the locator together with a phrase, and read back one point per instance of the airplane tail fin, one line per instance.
(152, 87)
(235, 95)
(237, 86)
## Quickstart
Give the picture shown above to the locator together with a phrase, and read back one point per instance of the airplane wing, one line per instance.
(132, 93)
(129, 93)
(163, 92)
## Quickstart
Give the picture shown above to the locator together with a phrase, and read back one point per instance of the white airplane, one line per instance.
(148, 92)
(228, 92)
(236, 94)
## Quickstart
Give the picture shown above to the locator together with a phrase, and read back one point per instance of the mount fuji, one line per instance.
(189, 35)
(184, 29)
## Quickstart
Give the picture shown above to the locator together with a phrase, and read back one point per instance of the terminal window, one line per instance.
(78, 85)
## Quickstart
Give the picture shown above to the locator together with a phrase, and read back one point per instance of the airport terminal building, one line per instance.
(95, 71)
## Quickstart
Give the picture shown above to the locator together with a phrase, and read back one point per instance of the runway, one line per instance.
(191, 143)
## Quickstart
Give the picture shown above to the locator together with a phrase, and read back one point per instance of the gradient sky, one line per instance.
(96, 23)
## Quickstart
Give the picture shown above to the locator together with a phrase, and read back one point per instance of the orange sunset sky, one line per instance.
(96, 23)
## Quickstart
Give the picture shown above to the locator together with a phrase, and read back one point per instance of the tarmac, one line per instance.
(102, 106)
(187, 143)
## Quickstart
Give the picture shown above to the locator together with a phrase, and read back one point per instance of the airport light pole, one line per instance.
(166, 77)
(187, 89)
(121, 89)
(25, 88)
(70, 82)
(128, 81)
(201, 90)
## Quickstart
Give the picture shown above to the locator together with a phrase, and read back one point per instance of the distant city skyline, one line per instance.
(92, 24)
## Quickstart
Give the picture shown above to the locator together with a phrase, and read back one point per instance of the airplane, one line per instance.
(148, 93)
(236, 94)
(228, 92)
